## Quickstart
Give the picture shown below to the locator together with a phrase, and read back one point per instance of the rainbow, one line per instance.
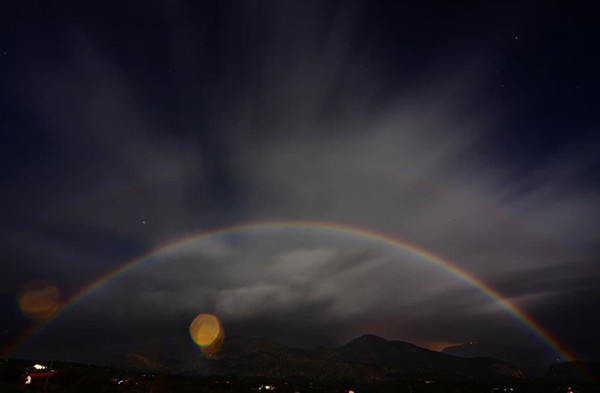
(349, 230)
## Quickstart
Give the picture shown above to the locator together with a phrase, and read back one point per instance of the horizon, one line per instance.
(138, 362)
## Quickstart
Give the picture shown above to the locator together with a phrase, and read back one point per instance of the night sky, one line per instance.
(467, 130)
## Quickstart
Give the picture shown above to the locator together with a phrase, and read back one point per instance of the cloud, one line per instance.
(241, 303)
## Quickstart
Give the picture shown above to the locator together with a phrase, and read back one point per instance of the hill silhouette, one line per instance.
(369, 356)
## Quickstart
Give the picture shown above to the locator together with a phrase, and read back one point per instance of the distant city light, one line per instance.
(39, 367)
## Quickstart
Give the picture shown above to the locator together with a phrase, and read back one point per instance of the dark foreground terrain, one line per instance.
(367, 364)
(74, 377)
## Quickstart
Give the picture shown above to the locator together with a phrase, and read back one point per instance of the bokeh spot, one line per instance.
(39, 299)
(207, 332)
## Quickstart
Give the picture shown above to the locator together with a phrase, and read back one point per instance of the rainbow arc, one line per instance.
(353, 231)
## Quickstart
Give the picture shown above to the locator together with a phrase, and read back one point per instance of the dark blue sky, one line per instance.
(467, 129)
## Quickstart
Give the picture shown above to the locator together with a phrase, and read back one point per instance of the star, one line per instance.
(144, 222)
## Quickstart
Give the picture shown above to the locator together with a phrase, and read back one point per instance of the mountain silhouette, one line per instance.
(534, 361)
(368, 357)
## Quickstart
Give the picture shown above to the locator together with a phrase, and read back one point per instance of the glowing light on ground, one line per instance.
(39, 299)
(207, 332)
(441, 345)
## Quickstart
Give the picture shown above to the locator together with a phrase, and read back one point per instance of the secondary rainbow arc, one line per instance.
(381, 238)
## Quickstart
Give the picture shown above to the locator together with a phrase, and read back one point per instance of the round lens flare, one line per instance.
(207, 332)
(39, 299)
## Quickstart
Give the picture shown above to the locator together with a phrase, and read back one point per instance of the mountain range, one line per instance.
(368, 357)
(533, 360)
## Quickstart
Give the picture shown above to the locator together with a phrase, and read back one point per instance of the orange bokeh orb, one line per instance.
(207, 332)
(39, 299)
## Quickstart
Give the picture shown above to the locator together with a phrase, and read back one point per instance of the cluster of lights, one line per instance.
(39, 367)
(124, 381)
(266, 387)
(508, 389)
